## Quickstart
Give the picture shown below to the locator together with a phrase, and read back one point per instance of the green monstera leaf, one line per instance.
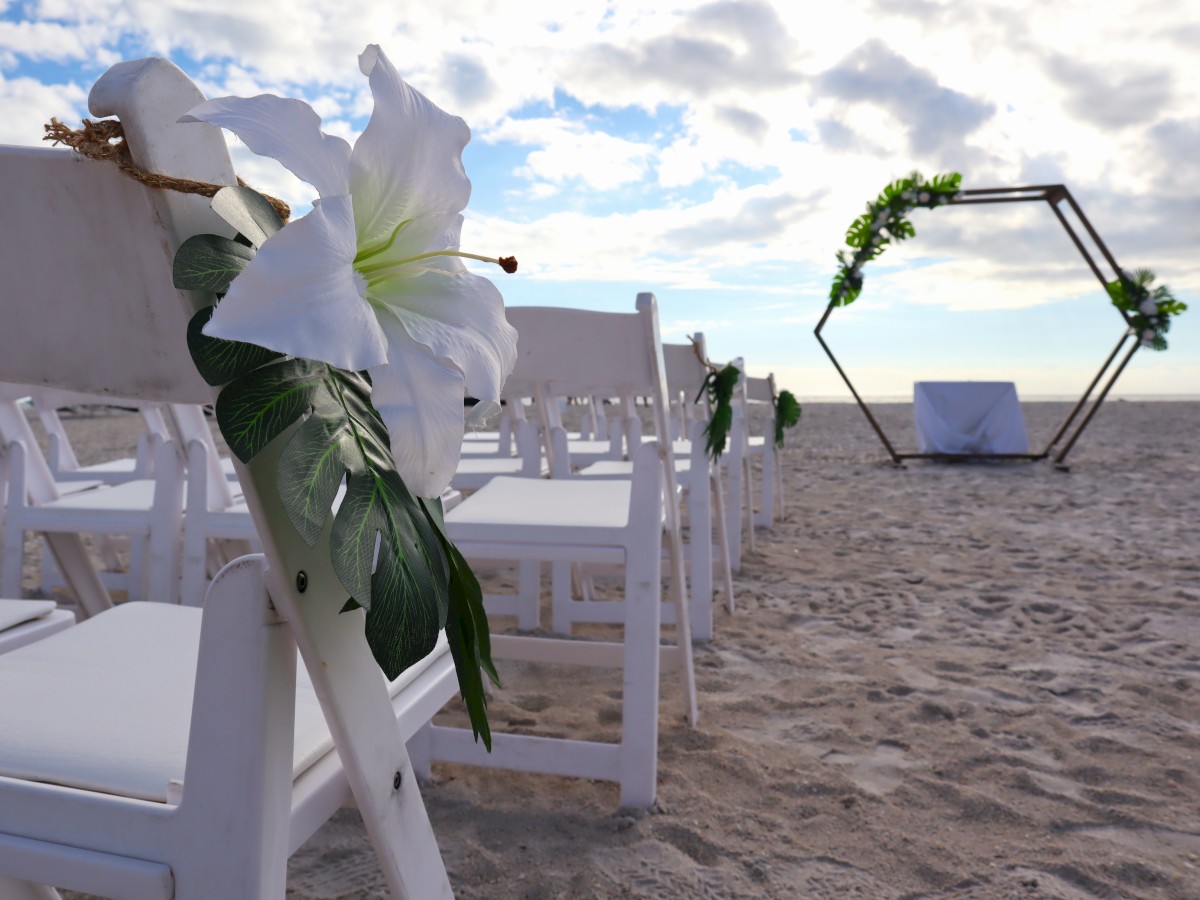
(787, 414)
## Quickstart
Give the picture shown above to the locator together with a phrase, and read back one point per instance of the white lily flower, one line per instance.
(373, 278)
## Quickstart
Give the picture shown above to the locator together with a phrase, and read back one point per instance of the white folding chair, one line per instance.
(147, 511)
(64, 465)
(568, 521)
(155, 750)
(700, 480)
(214, 514)
(476, 469)
(770, 501)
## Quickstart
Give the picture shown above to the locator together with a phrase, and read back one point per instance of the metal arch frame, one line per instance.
(1053, 194)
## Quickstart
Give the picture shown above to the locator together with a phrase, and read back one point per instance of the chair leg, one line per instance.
(194, 576)
(420, 752)
(529, 594)
(560, 597)
(779, 489)
(749, 494)
(639, 696)
(10, 569)
(14, 535)
(723, 540)
(135, 581)
(766, 511)
(700, 551)
(162, 552)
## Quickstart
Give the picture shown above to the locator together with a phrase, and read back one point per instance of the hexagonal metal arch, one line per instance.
(1053, 194)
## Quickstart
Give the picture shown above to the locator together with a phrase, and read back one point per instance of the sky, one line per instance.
(714, 153)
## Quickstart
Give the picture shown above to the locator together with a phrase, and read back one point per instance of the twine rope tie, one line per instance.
(105, 140)
(696, 349)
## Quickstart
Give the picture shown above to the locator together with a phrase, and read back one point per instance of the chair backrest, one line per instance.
(89, 305)
(573, 352)
(760, 390)
(686, 371)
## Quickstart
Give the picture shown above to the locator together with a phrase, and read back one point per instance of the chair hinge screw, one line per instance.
(397, 780)
(302, 581)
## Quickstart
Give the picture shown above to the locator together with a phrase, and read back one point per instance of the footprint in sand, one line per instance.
(877, 772)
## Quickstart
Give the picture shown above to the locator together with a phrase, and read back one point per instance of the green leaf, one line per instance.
(206, 262)
(467, 631)
(260, 405)
(408, 599)
(1116, 292)
(787, 414)
(248, 211)
(218, 361)
(860, 230)
(311, 467)
(720, 387)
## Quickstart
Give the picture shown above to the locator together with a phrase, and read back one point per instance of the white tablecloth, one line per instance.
(968, 417)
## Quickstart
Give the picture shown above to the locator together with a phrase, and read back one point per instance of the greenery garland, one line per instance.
(1150, 309)
(388, 547)
(885, 222)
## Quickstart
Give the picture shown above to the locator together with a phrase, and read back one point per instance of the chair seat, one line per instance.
(25, 621)
(619, 468)
(18, 612)
(478, 449)
(106, 706)
(131, 496)
(124, 466)
(474, 472)
(538, 510)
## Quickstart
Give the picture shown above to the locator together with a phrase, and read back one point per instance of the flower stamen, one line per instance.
(384, 270)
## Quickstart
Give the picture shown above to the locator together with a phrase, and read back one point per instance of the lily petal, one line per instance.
(459, 317)
(420, 398)
(299, 295)
(287, 130)
(409, 158)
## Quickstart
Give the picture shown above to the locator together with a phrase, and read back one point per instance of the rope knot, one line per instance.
(104, 139)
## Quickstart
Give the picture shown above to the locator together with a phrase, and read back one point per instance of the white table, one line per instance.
(957, 417)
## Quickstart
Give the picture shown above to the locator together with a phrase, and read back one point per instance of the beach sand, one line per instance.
(951, 681)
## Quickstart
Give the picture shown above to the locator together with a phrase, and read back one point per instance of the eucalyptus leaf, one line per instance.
(248, 211)
(219, 361)
(208, 262)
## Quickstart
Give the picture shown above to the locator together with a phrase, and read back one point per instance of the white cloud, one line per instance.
(821, 104)
(26, 105)
(568, 151)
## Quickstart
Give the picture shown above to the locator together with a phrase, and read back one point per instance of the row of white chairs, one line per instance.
(172, 504)
(152, 739)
